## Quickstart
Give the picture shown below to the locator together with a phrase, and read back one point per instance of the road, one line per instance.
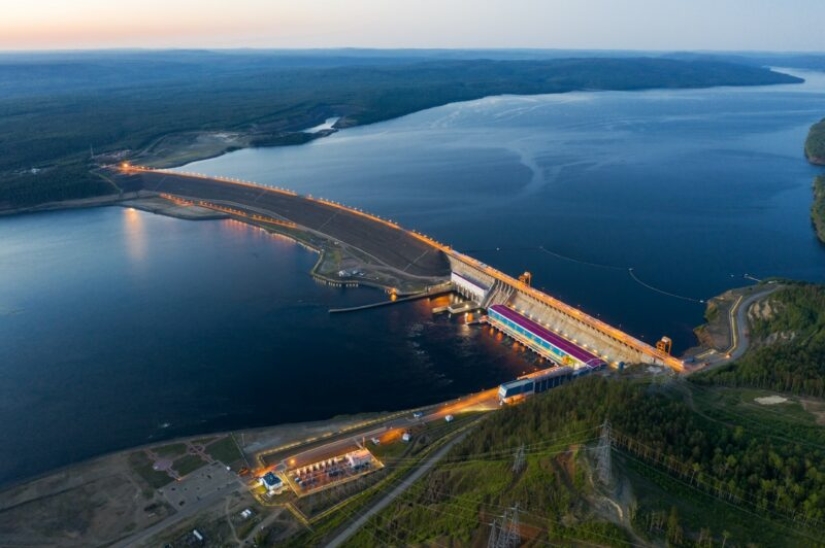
(386, 432)
(394, 494)
(738, 325)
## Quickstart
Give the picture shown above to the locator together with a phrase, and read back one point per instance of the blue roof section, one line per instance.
(559, 342)
(271, 479)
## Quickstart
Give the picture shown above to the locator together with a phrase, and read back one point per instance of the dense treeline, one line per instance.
(749, 468)
(70, 181)
(53, 110)
(818, 208)
(815, 143)
(790, 356)
(733, 459)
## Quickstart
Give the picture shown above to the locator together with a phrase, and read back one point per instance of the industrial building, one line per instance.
(273, 484)
(534, 384)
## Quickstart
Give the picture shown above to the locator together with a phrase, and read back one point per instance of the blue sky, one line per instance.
(768, 25)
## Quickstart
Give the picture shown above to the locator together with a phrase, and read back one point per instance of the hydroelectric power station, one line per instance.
(554, 330)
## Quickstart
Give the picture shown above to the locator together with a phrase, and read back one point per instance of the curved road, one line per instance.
(738, 324)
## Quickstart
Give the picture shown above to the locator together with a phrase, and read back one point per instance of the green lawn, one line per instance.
(224, 450)
(172, 450)
(188, 464)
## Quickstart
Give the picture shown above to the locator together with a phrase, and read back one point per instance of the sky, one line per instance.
(725, 25)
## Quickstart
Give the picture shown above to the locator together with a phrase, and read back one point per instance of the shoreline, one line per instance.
(291, 431)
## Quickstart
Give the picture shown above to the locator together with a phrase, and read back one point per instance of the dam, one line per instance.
(548, 326)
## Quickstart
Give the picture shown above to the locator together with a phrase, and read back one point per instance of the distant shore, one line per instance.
(815, 153)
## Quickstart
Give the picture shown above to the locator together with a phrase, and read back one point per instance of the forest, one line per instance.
(56, 111)
(714, 480)
(818, 208)
(815, 143)
(703, 462)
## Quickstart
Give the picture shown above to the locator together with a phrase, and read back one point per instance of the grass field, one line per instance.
(172, 450)
(224, 450)
(187, 464)
(141, 464)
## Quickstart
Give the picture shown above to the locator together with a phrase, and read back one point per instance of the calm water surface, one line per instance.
(693, 189)
(119, 327)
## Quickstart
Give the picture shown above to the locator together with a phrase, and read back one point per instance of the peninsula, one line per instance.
(815, 144)
(70, 112)
(815, 152)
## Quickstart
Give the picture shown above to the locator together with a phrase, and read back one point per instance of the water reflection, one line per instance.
(135, 232)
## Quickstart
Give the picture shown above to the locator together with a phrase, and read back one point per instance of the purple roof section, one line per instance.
(559, 342)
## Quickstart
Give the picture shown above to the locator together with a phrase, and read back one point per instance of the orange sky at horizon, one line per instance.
(762, 25)
(90, 24)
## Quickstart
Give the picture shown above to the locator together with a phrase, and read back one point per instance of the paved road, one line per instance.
(387, 431)
(395, 493)
(738, 324)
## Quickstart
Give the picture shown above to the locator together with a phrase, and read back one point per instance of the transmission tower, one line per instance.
(604, 465)
(509, 534)
(518, 463)
(492, 542)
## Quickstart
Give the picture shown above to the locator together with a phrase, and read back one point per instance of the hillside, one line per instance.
(818, 208)
(815, 143)
(58, 111)
(680, 475)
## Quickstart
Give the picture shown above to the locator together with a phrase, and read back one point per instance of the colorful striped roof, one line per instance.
(558, 341)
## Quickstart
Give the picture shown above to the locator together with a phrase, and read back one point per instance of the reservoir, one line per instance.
(119, 328)
(692, 189)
